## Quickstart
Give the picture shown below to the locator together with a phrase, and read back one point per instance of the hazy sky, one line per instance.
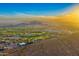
(34, 8)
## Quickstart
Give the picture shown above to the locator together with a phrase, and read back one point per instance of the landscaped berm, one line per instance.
(39, 29)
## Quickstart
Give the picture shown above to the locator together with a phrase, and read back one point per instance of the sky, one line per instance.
(34, 8)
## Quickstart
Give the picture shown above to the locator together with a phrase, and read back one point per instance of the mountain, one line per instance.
(62, 45)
